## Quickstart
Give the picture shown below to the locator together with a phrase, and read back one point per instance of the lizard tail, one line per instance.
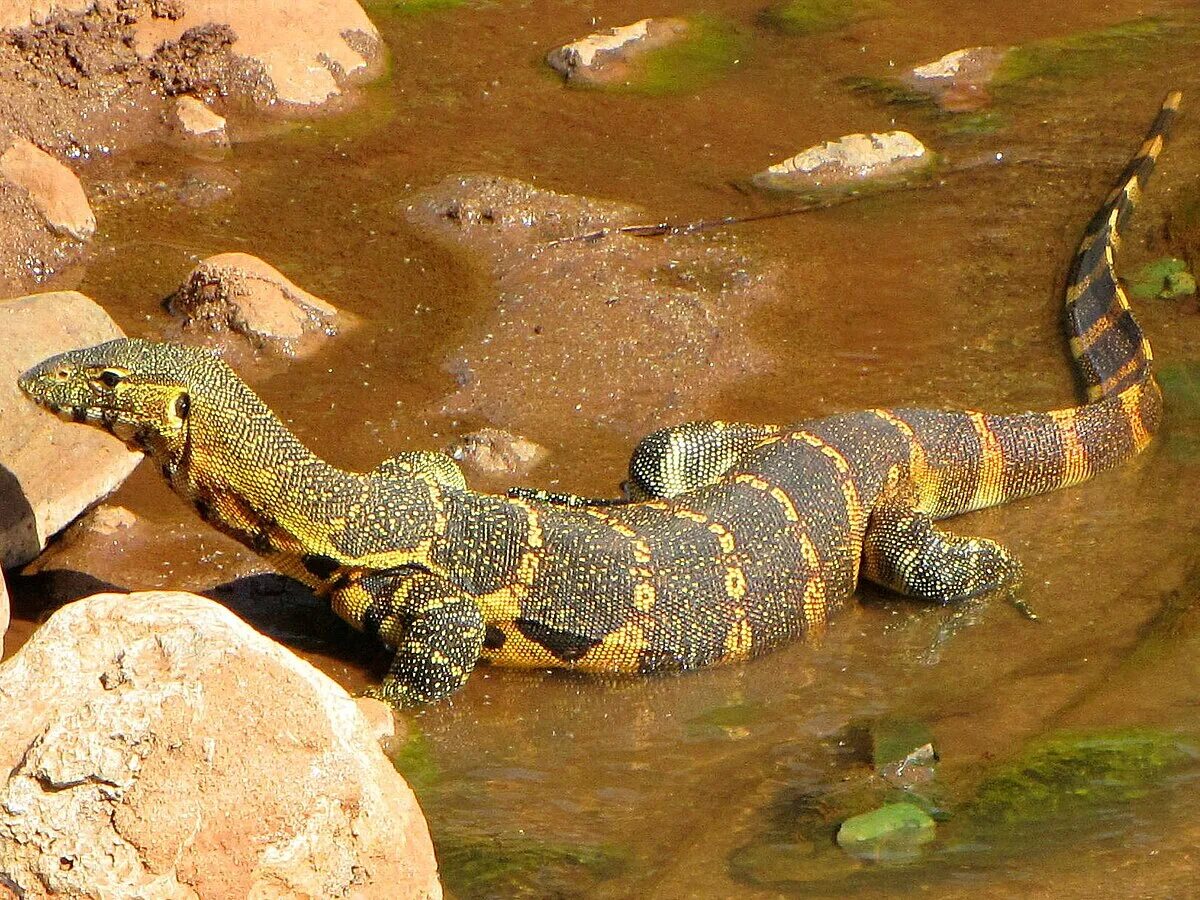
(1111, 353)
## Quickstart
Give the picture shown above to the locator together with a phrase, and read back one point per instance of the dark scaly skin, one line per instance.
(746, 536)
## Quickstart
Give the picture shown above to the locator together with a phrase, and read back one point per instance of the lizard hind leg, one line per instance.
(436, 629)
(904, 551)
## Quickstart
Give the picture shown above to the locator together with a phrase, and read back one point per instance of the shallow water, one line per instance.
(547, 785)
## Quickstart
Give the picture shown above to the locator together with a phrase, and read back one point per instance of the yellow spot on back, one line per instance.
(735, 582)
(789, 508)
(724, 537)
(644, 596)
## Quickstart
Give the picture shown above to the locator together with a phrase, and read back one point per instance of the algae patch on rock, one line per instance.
(650, 56)
(1087, 53)
(1181, 389)
(1067, 774)
(891, 832)
(710, 49)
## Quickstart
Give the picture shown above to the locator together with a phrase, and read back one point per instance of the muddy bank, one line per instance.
(86, 79)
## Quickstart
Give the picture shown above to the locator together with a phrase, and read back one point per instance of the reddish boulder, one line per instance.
(157, 746)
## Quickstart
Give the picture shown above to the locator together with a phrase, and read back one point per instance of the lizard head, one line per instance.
(138, 390)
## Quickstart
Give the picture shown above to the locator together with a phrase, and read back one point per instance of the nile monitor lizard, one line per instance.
(757, 533)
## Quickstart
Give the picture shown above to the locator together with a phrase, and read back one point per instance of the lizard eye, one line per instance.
(183, 406)
(110, 378)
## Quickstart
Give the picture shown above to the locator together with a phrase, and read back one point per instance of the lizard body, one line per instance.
(744, 536)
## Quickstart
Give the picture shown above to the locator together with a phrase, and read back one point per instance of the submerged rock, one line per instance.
(647, 327)
(607, 57)
(52, 187)
(893, 831)
(850, 160)
(50, 470)
(492, 451)
(958, 81)
(1077, 774)
(240, 292)
(156, 745)
(196, 120)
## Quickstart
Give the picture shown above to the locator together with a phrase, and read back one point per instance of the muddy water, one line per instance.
(542, 785)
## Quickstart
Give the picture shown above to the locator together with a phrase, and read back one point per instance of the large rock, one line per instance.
(958, 81)
(24, 13)
(50, 470)
(850, 160)
(3, 611)
(157, 746)
(240, 292)
(607, 57)
(303, 48)
(51, 186)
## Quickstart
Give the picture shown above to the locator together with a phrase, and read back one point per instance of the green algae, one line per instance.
(510, 865)
(894, 738)
(710, 48)
(1167, 279)
(1085, 54)
(414, 760)
(806, 17)
(1181, 391)
(1076, 775)
(731, 720)
(411, 7)
(888, 91)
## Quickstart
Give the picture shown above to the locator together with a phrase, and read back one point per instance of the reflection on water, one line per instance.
(732, 781)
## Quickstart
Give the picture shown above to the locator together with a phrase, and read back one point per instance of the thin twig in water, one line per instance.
(658, 229)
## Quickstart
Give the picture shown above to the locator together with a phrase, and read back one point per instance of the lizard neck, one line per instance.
(247, 474)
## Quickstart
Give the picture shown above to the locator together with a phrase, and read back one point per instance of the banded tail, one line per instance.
(1111, 353)
(993, 459)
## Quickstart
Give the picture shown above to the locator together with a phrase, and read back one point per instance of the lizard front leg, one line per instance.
(435, 628)
(672, 461)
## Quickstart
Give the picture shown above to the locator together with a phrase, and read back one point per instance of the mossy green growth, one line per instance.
(414, 760)
(410, 7)
(511, 865)
(1181, 391)
(1181, 386)
(709, 49)
(1166, 278)
(1073, 774)
(804, 17)
(1087, 53)
(987, 121)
